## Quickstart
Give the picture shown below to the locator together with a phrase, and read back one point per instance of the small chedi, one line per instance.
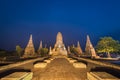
(79, 48)
(68, 50)
(29, 50)
(59, 47)
(40, 47)
(89, 50)
(50, 50)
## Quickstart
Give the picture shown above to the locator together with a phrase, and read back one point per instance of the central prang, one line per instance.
(59, 47)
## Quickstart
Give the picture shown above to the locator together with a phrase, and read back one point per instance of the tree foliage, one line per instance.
(74, 50)
(2, 53)
(19, 50)
(44, 51)
(107, 45)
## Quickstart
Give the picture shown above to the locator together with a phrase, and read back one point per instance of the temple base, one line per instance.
(59, 53)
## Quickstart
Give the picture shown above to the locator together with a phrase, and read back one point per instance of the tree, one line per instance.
(73, 50)
(19, 50)
(107, 45)
(118, 48)
(44, 51)
(3, 53)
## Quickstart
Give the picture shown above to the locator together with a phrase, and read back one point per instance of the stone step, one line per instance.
(72, 60)
(40, 65)
(19, 76)
(79, 65)
(47, 61)
(100, 76)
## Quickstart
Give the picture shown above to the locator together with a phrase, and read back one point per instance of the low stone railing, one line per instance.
(100, 76)
(100, 63)
(10, 66)
(19, 76)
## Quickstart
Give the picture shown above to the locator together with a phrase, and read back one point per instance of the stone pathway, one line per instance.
(59, 69)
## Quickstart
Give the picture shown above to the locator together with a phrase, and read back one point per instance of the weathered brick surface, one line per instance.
(100, 76)
(59, 69)
(79, 65)
(40, 65)
(19, 76)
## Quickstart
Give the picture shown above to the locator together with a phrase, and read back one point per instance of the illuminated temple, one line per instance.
(59, 47)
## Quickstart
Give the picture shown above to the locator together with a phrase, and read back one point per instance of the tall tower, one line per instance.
(59, 41)
(79, 48)
(29, 50)
(89, 48)
(73, 46)
(59, 47)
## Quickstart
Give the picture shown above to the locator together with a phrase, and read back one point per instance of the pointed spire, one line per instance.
(79, 48)
(31, 37)
(40, 45)
(29, 50)
(89, 48)
(88, 41)
(50, 50)
(59, 38)
(30, 43)
(68, 49)
(78, 44)
(45, 45)
(73, 46)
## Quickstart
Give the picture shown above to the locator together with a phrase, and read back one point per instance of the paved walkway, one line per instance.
(59, 69)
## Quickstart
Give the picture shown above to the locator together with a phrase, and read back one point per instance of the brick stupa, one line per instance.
(89, 50)
(29, 50)
(40, 47)
(79, 48)
(59, 47)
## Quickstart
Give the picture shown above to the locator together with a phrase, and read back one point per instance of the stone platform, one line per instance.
(100, 76)
(59, 69)
(19, 76)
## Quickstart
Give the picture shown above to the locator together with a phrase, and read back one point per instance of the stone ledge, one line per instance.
(100, 76)
(51, 59)
(19, 64)
(99, 63)
(72, 61)
(40, 65)
(69, 59)
(19, 76)
(79, 65)
(47, 61)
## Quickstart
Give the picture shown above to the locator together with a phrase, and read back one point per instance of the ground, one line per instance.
(59, 69)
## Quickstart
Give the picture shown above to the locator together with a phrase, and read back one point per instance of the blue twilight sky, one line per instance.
(44, 18)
